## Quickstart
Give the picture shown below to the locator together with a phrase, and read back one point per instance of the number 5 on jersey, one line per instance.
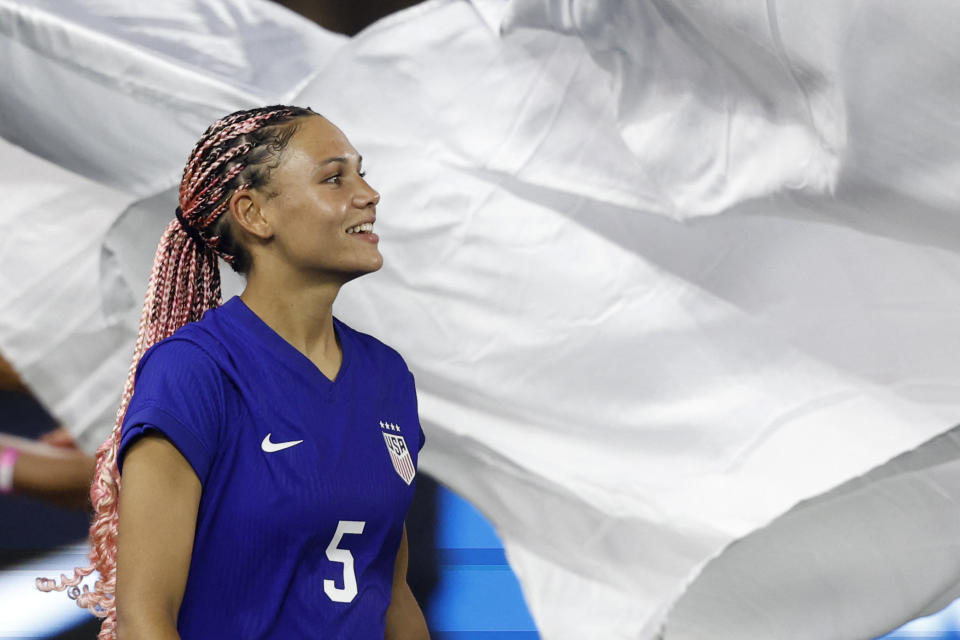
(343, 556)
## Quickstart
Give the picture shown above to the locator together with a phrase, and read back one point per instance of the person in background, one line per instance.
(51, 468)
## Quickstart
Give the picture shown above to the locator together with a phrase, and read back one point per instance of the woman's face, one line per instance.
(320, 208)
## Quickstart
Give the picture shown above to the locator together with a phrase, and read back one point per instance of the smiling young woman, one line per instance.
(263, 443)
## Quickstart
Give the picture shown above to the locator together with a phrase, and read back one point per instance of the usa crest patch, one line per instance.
(399, 452)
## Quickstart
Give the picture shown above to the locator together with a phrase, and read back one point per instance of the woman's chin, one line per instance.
(363, 269)
(371, 265)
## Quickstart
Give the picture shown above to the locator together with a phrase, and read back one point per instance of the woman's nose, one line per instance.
(366, 197)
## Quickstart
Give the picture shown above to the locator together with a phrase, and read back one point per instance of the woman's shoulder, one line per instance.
(189, 347)
(373, 348)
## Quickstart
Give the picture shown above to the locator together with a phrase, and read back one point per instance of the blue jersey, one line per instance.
(306, 481)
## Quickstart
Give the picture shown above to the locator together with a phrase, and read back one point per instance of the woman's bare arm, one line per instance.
(405, 620)
(159, 498)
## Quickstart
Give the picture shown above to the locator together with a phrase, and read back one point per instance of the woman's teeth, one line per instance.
(366, 227)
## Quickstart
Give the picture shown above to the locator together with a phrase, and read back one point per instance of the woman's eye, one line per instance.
(335, 179)
(362, 173)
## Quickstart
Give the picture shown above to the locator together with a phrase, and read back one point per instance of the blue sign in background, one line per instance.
(478, 596)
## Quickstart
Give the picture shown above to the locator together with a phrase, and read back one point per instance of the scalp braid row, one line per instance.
(236, 152)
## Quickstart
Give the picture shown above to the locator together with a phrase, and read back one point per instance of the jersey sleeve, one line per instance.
(178, 392)
(416, 411)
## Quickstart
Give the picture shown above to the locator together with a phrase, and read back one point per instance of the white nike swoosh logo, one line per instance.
(270, 447)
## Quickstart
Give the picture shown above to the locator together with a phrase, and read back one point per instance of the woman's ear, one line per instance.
(245, 210)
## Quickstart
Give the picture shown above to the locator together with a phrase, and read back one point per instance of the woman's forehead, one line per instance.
(316, 146)
(319, 138)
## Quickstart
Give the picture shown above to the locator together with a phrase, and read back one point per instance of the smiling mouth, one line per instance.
(366, 227)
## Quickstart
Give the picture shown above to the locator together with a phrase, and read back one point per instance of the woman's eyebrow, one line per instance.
(342, 159)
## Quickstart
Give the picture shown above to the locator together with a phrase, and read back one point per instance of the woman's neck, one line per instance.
(301, 313)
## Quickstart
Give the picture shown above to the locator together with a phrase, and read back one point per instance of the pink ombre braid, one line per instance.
(236, 152)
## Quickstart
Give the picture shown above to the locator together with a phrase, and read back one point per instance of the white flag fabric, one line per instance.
(679, 281)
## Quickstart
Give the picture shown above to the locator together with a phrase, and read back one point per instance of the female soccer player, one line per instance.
(264, 445)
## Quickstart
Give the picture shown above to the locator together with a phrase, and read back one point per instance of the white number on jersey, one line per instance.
(343, 556)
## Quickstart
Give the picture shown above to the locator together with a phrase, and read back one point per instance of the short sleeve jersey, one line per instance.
(305, 481)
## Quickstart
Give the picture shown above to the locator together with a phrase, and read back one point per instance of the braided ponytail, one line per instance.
(236, 152)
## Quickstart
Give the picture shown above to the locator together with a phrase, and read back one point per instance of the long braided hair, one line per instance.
(236, 152)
